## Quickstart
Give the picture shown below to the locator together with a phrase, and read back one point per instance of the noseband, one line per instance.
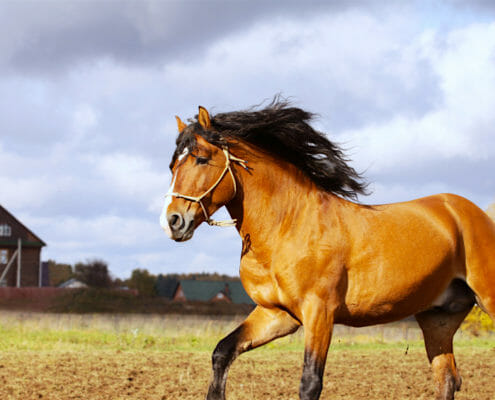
(198, 199)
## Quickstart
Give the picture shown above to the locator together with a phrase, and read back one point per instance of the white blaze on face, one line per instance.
(168, 199)
(183, 154)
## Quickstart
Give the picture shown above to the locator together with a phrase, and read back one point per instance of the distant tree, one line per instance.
(93, 273)
(119, 283)
(203, 276)
(59, 272)
(143, 281)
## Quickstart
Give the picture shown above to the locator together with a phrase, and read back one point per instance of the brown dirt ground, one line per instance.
(356, 374)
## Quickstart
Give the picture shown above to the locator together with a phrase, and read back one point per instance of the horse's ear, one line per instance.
(204, 118)
(181, 125)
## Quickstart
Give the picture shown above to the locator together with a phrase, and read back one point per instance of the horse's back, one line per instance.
(457, 216)
(410, 252)
(470, 230)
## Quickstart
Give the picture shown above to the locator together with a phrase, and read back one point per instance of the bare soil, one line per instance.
(353, 374)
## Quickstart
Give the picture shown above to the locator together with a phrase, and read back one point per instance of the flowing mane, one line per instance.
(284, 132)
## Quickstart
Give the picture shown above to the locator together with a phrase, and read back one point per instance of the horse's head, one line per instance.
(202, 180)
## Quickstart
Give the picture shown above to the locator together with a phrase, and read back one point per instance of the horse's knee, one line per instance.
(225, 351)
(220, 357)
(311, 385)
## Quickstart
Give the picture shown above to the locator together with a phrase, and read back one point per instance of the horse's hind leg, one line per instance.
(260, 327)
(439, 327)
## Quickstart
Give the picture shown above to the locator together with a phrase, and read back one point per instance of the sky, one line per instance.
(89, 91)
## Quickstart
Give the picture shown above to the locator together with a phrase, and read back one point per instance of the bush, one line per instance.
(478, 323)
(93, 300)
(143, 282)
(93, 273)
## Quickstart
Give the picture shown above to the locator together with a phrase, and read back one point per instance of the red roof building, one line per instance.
(20, 253)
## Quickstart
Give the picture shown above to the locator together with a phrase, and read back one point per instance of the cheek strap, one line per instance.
(199, 199)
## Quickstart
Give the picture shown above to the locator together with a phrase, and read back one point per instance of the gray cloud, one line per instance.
(475, 5)
(89, 91)
(51, 37)
(465, 177)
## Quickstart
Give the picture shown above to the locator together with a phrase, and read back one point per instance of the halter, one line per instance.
(198, 199)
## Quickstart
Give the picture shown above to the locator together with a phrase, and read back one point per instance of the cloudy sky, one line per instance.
(89, 91)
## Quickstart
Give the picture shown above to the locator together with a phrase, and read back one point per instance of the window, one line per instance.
(5, 230)
(4, 256)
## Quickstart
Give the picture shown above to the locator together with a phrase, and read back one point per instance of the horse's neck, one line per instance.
(273, 196)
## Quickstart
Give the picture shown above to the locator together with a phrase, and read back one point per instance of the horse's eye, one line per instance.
(201, 160)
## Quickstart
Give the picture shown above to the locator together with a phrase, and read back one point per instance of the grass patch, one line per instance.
(131, 333)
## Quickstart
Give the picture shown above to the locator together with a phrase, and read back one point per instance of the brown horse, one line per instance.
(313, 257)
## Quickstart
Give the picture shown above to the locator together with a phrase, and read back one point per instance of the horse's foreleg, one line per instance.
(438, 329)
(260, 327)
(318, 327)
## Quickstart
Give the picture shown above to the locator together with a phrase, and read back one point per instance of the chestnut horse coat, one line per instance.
(313, 257)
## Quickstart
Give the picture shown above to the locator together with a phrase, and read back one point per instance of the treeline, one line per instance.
(95, 274)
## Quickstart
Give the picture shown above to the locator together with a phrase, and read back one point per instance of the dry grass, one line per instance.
(98, 357)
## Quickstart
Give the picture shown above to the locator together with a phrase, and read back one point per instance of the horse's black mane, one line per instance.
(283, 131)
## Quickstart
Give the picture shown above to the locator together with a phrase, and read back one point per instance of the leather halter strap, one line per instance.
(199, 199)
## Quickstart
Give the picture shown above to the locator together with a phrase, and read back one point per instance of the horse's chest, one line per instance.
(260, 282)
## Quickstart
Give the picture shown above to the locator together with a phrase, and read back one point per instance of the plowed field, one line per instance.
(350, 374)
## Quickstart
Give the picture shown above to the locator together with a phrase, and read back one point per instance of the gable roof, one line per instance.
(166, 286)
(201, 290)
(72, 283)
(206, 290)
(29, 237)
(237, 293)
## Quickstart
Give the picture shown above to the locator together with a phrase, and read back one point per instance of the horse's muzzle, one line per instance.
(181, 226)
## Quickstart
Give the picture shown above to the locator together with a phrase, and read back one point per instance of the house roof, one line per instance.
(206, 290)
(166, 286)
(73, 282)
(32, 239)
(237, 293)
(201, 290)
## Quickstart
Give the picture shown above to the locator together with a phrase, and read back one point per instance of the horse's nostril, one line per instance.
(173, 219)
(176, 221)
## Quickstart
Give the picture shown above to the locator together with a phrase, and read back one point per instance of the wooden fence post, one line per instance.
(19, 251)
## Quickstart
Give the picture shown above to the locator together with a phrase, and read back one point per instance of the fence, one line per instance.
(13, 293)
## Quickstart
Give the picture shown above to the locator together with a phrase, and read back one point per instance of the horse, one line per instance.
(312, 254)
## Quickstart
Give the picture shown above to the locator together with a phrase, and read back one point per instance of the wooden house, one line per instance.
(20, 253)
(73, 283)
(199, 290)
(193, 290)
